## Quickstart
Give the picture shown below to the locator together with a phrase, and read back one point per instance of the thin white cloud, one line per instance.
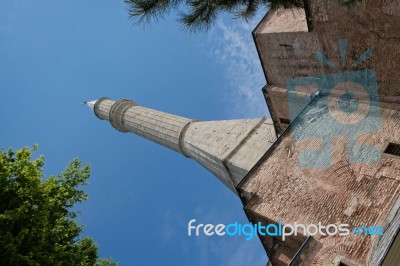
(172, 221)
(233, 48)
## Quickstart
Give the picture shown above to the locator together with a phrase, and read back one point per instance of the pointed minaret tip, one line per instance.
(90, 104)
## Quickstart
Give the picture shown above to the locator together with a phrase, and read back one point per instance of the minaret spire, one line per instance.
(90, 104)
(228, 149)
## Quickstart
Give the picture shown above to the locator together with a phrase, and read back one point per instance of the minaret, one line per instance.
(228, 149)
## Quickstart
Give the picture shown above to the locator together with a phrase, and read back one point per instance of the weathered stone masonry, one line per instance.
(228, 149)
(354, 193)
(258, 159)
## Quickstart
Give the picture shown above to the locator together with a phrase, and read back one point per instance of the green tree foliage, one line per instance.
(37, 225)
(201, 14)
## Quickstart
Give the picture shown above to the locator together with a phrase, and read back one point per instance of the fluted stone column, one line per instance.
(228, 149)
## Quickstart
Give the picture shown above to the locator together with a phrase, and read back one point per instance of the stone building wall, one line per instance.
(287, 50)
(362, 193)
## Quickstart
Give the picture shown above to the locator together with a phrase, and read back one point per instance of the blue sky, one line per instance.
(56, 54)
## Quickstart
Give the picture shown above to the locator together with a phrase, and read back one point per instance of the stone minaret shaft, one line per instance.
(228, 149)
